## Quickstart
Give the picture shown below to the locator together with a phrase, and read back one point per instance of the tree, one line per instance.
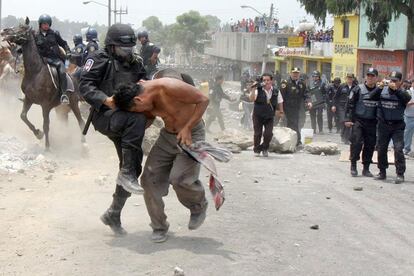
(378, 12)
(213, 22)
(190, 32)
(152, 24)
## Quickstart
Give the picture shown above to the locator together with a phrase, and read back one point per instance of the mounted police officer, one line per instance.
(267, 101)
(339, 105)
(78, 50)
(103, 72)
(48, 42)
(318, 98)
(92, 45)
(330, 95)
(149, 53)
(393, 100)
(361, 116)
(295, 95)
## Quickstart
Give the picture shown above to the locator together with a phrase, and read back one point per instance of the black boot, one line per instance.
(399, 179)
(366, 172)
(381, 176)
(112, 216)
(354, 171)
(127, 176)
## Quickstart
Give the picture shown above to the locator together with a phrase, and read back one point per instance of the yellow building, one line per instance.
(346, 35)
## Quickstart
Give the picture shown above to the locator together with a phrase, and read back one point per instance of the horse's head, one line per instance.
(17, 35)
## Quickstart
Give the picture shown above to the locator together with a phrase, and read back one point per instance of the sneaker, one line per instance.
(265, 153)
(159, 236)
(64, 99)
(196, 220)
(399, 179)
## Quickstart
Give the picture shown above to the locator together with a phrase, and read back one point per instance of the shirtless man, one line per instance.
(181, 106)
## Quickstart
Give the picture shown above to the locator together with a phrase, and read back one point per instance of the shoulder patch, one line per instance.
(88, 65)
(283, 85)
(79, 50)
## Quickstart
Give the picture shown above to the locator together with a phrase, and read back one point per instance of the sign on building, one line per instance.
(295, 42)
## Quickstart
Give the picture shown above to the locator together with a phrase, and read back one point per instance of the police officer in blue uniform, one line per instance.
(104, 71)
(91, 39)
(361, 116)
(48, 42)
(78, 50)
(149, 53)
(392, 102)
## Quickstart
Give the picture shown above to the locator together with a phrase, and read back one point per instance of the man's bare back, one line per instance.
(180, 105)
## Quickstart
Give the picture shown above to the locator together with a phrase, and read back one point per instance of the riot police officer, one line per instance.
(361, 115)
(295, 95)
(317, 93)
(330, 95)
(92, 45)
(392, 102)
(149, 53)
(103, 72)
(48, 42)
(339, 105)
(78, 50)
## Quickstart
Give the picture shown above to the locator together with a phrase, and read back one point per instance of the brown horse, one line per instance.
(37, 84)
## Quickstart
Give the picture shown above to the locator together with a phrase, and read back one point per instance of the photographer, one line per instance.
(268, 102)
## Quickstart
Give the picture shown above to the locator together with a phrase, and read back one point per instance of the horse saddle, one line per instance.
(55, 79)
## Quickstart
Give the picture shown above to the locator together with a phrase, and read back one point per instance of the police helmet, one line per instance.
(77, 39)
(91, 34)
(120, 35)
(316, 74)
(45, 18)
(142, 34)
(337, 80)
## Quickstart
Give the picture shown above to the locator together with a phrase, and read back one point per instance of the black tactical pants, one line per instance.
(126, 130)
(316, 114)
(331, 116)
(363, 138)
(292, 121)
(60, 66)
(259, 124)
(386, 132)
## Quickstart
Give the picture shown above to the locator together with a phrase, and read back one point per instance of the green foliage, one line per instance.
(379, 13)
(213, 22)
(152, 24)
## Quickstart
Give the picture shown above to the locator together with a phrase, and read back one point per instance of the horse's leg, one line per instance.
(46, 123)
(74, 105)
(27, 104)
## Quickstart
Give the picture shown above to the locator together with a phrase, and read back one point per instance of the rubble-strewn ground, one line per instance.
(50, 214)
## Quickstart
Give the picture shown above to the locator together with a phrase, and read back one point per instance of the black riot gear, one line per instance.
(142, 34)
(91, 34)
(120, 35)
(45, 18)
(77, 39)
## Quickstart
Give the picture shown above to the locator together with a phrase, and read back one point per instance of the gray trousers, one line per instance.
(167, 164)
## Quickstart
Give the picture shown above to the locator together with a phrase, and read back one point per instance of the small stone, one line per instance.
(358, 189)
(243, 193)
(178, 271)
(51, 171)
(19, 254)
(22, 189)
(49, 177)
(314, 227)
(9, 179)
(21, 171)
(226, 181)
(328, 197)
(63, 259)
(256, 181)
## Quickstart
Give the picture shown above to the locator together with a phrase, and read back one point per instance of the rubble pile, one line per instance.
(325, 148)
(16, 157)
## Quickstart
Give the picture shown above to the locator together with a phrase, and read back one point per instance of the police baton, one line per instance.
(88, 121)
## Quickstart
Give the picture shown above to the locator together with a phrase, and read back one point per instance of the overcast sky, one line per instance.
(287, 10)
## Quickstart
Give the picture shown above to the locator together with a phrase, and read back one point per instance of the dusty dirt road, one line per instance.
(50, 218)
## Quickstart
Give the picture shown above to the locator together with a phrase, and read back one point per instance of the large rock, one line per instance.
(322, 147)
(284, 140)
(235, 137)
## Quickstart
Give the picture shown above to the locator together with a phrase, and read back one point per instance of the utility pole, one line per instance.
(119, 12)
(266, 52)
(109, 13)
(0, 15)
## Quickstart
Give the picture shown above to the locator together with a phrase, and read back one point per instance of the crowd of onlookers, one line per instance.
(316, 36)
(249, 25)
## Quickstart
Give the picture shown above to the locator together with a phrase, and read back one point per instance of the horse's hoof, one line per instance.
(39, 134)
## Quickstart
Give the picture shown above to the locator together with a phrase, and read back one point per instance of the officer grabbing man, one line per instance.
(361, 116)
(104, 71)
(393, 100)
(48, 42)
(149, 54)
(295, 95)
(318, 97)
